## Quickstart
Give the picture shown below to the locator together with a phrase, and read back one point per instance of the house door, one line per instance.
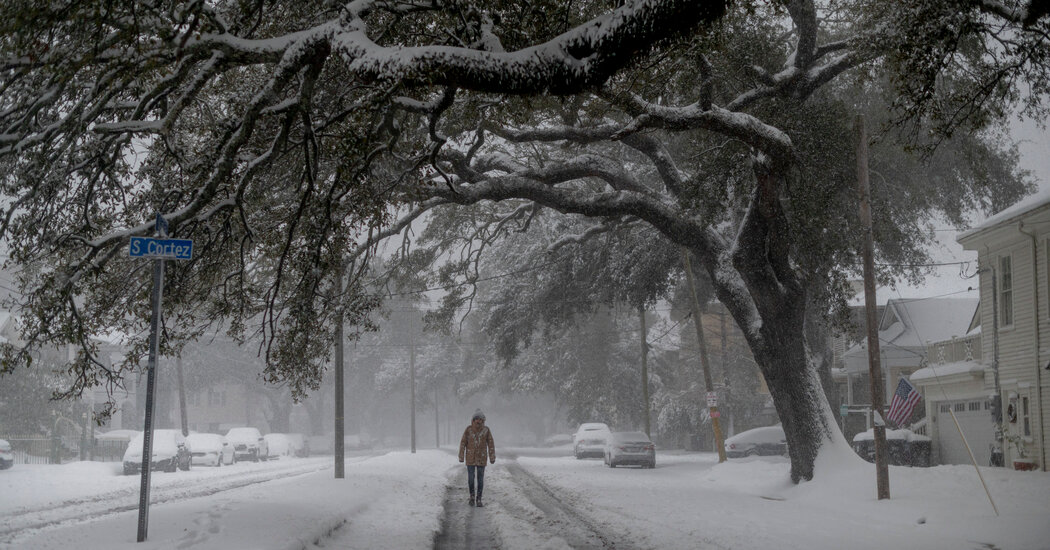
(975, 420)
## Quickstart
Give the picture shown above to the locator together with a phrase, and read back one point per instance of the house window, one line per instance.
(974, 406)
(946, 408)
(1025, 419)
(960, 407)
(1006, 292)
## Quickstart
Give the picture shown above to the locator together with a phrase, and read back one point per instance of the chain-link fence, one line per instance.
(36, 449)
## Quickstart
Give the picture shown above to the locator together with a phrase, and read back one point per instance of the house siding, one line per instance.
(1020, 369)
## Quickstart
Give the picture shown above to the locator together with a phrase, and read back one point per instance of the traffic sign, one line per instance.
(843, 410)
(712, 399)
(166, 249)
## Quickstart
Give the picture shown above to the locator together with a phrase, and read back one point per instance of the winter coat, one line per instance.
(476, 448)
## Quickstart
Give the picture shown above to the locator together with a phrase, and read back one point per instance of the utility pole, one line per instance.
(725, 366)
(882, 475)
(437, 420)
(412, 384)
(340, 459)
(645, 368)
(705, 362)
(183, 423)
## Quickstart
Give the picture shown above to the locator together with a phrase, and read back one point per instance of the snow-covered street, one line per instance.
(535, 498)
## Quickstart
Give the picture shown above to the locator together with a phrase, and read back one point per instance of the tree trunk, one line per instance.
(772, 314)
(780, 349)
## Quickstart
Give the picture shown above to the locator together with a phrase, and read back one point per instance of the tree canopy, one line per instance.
(288, 138)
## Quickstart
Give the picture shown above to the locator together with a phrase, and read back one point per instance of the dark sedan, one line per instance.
(766, 441)
(623, 448)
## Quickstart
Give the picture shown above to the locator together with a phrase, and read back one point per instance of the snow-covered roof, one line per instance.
(1038, 200)
(908, 325)
(945, 370)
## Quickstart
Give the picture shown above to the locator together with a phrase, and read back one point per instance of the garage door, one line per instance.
(975, 419)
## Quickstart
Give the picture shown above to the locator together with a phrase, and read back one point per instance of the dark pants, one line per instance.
(480, 470)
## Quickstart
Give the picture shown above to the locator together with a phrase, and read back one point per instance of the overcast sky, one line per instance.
(955, 280)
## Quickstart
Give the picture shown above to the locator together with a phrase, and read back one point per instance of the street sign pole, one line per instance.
(151, 381)
(158, 249)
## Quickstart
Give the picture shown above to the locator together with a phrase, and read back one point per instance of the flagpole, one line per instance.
(973, 460)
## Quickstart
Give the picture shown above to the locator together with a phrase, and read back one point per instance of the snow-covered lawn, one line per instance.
(397, 501)
(691, 501)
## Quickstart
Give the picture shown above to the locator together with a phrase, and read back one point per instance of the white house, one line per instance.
(1013, 252)
(906, 329)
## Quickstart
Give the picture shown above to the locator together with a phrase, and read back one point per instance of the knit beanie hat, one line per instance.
(477, 414)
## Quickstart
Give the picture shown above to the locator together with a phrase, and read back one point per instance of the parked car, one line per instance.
(904, 447)
(589, 440)
(170, 452)
(248, 444)
(210, 450)
(622, 448)
(278, 444)
(358, 442)
(7, 455)
(300, 445)
(765, 441)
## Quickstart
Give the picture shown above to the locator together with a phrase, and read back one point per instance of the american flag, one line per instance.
(904, 401)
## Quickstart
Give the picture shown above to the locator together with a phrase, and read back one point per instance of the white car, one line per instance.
(210, 450)
(278, 444)
(299, 443)
(589, 440)
(248, 444)
(7, 456)
(170, 452)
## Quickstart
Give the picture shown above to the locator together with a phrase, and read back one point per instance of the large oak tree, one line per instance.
(281, 135)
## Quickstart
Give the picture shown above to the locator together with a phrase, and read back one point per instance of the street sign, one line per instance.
(166, 249)
(712, 399)
(157, 249)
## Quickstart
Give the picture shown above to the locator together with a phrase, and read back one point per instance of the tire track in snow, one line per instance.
(533, 503)
(464, 527)
(127, 499)
(561, 518)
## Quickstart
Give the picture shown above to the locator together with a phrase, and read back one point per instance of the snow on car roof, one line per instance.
(767, 434)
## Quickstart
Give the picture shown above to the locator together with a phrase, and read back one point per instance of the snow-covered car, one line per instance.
(300, 445)
(248, 444)
(765, 441)
(358, 442)
(170, 452)
(7, 455)
(904, 447)
(589, 440)
(623, 448)
(278, 444)
(210, 450)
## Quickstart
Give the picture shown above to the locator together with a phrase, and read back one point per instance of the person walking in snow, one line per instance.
(476, 448)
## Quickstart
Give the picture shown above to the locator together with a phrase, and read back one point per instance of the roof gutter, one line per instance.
(1035, 343)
